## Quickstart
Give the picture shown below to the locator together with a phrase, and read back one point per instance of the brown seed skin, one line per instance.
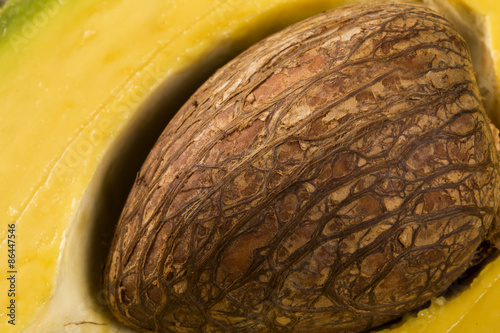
(331, 178)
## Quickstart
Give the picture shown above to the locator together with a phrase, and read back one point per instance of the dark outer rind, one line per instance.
(333, 177)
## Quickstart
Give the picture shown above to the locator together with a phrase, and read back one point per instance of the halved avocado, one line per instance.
(87, 86)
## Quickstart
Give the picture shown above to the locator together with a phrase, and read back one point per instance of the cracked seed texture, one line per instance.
(331, 178)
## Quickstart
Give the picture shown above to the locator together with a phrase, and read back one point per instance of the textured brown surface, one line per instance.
(332, 177)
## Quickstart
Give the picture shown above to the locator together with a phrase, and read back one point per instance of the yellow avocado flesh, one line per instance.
(75, 76)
